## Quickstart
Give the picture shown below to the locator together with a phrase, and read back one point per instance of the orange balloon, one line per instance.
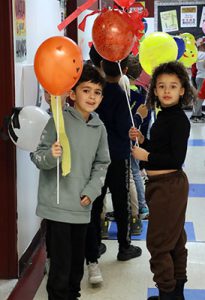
(58, 64)
(113, 35)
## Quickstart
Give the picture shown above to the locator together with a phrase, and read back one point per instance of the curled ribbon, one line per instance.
(81, 26)
(75, 14)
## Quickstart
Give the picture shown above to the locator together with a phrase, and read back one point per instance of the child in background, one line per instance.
(197, 114)
(137, 98)
(109, 215)
(89, 161)
(193, 75)
(167, 186)
(137, 107)
(114, 112)
(201, 93)
(64, 103)
(96, 60)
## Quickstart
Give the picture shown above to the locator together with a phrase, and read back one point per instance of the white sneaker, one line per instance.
(94, 273)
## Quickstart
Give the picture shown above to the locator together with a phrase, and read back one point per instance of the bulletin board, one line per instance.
(175, 17)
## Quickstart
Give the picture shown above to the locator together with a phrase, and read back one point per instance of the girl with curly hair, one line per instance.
(167, 186)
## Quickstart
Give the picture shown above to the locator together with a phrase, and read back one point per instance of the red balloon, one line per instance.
(113, 35)
(124, 3)
(58, 64)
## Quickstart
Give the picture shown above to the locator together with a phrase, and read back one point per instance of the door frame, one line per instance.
(8, 211)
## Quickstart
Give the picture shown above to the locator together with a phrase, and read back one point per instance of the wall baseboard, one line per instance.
(38, 239)
(32, 267)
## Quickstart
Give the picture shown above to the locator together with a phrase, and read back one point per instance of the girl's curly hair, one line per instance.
(173, 67)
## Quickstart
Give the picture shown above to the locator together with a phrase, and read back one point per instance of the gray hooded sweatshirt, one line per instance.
(89, 162)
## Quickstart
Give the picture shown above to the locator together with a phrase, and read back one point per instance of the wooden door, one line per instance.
(8, 211)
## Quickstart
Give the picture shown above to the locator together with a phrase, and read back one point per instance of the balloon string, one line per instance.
(58, 99)
(128, 101)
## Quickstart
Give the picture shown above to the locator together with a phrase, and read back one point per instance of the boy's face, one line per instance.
(87, 97)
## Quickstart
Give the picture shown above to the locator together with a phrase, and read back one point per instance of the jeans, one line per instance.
(138, 182)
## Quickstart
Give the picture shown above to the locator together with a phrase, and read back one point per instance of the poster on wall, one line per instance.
(20, 30)
(63, 9)
(202, 17)
(188, 16)
(169, 20)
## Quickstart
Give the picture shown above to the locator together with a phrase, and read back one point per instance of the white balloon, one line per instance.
(31, 121)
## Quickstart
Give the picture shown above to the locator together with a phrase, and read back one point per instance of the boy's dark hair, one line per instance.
(112, 69)
(95, 57)
(134, 68)
(178, 69)
(90, 73)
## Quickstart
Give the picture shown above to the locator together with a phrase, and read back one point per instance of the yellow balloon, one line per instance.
(190, 54)
(188, 37)
(155, 49)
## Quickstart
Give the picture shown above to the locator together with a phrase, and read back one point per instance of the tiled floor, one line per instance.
(132, 280)
(6, 286)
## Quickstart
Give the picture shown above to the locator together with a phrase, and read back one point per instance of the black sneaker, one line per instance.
(129, 253)
(102, 249)
(110, 216)
(202, 116)
(197, 120)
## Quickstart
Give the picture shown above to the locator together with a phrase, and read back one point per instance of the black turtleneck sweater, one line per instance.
(168, 140)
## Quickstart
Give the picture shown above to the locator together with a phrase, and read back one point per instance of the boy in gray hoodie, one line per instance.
(89, 161)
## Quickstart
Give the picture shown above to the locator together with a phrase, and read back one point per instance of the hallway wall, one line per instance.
(42, 18)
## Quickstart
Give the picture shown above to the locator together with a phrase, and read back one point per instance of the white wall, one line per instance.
(42, 18)
(150, 25)
(84, 37)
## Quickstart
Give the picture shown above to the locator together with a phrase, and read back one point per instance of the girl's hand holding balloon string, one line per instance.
(134, 134)
(139, 153)
(56, 149)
